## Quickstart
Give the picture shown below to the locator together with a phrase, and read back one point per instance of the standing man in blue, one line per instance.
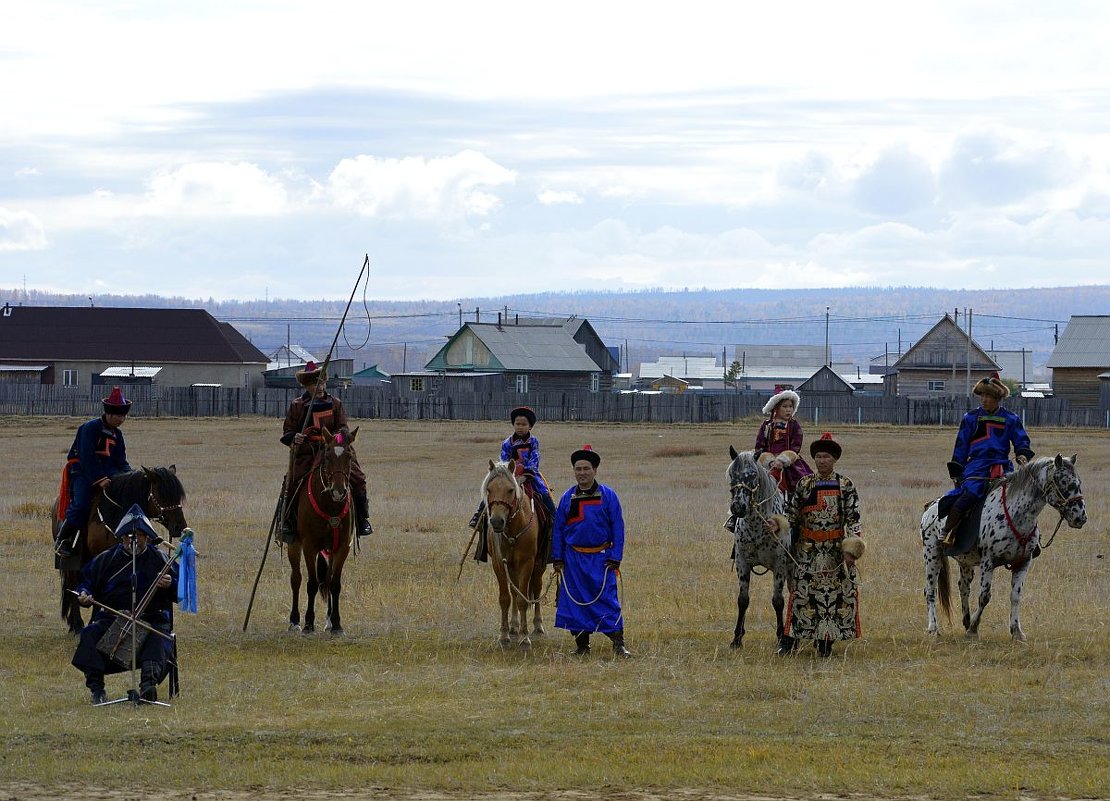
(98, 453)
(982, 451)
(587, 548)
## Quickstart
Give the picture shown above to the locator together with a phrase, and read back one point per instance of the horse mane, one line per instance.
(768, 488)
(1027, 477)
(134, 486)
(500, 469)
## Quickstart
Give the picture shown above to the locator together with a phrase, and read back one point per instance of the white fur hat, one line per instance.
(786, 394)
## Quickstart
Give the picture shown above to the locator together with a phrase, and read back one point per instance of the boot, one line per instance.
(287, 533)
(582, 640)
(362, 514)
(786, 645)
(824, 648)
(474, 520)
(951, 524)
(63, 542)
(619, 649)
(481, 551)
(95, 683)
(148, 682)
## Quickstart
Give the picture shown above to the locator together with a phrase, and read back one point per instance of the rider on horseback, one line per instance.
(309, 414)
(98, 453)
(982, 452)
(523, 447)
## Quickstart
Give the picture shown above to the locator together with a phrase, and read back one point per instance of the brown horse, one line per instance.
(324, 526)
(158, 492)
(516, 551)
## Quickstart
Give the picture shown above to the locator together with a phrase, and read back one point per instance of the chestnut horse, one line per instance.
(324, 528)
(517, 552)
(158, 492)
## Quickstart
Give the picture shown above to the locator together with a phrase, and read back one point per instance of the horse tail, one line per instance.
(944, 588)
(322, 568)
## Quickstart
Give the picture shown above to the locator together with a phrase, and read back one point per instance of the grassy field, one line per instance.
(418, 697)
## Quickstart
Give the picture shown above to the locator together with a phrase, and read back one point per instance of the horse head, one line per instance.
(502, 493)
(1064, 492)
(743, 481)
(335, 463)
(163, 501)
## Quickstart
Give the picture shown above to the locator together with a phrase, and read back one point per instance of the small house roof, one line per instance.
(1084, 343)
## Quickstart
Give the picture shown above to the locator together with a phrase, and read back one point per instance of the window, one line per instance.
(69, 378)
(595, 382)
(936, 386)
(522, 383)
(416, 384)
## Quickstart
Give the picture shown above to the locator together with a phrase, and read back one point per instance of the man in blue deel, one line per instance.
(587, 548)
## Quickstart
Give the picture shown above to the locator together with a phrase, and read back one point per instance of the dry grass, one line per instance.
(418, 696)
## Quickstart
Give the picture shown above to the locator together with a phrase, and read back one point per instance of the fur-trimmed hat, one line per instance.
(779, 397)
(116, 403)
(525, 412)
(311, 374)
(587, 453)
(993, 386)
(825, 445)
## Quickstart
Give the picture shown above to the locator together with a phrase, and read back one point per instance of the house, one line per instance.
(285, 377)
(943, 363)
(83, 346)
(530, 355)
(1081, 355)
(697, 371)
(825, 384)
(1016, 365)
(370, 376)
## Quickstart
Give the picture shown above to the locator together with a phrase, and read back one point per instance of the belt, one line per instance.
(823, 536)
(593, 549)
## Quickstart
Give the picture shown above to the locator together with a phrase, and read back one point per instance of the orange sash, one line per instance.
(65, 494)
(823, 536)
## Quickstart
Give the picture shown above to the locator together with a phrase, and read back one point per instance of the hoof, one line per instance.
(504, 642)
(971, 635)
(339, 632)
(294, 626)
(1019, 636)
(737, 643)
(538, 631)
(308, 630)
(525, 644)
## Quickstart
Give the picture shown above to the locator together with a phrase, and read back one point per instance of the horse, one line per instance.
(755, 499)
(1008, 535)
(517, 549)
(324, 529)
(159, 493)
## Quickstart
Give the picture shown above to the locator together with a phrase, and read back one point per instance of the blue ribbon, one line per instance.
(187, 573)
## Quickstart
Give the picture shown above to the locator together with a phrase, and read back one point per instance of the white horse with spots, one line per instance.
(1008, 535)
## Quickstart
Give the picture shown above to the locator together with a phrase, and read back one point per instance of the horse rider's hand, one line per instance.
(1021, 461)
(84, 599)
(298, 438)
(612, 564)
(165, 580)
(557, 567)
(771, 526)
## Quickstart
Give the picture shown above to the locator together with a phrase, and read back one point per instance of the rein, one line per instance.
(1053, 489)
(152, 499)
(332, 520)
(754, 504)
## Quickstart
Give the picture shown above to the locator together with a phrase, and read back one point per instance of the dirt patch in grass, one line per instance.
(677, 452)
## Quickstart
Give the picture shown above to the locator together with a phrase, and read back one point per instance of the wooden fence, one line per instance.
(377, 402)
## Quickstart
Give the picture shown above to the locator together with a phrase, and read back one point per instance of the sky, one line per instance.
(249, 150)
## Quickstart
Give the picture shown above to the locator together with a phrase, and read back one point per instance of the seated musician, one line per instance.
(106, 582)
(309, 414)
(522, 446)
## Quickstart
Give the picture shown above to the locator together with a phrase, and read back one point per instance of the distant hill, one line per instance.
(862, 322)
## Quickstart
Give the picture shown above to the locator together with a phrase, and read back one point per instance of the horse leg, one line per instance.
(524, 581)
(535, 590)
(986, 576)
(335, 587)
(742, 598)
(313, 588)
(931, 553)
(967, 573)
(71, 611)
(778, 600)
(504, 599)
(1016, 584)
(295, 585)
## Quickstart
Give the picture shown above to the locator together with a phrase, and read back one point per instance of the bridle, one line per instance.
(153, 500)
(327, 476)
(515, 508)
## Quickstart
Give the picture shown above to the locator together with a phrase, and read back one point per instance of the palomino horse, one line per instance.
(324, 526)
(755, 499)
(158, 492)
(1008, 535)
(516, 550)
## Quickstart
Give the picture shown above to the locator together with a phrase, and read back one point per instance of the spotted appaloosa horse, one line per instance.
(755, 499)
(1008, 535)
(518, 551)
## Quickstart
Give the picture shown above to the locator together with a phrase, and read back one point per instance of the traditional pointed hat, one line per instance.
(137, 521)
(588, 453)
(116, 403)
(825, 445)
(992, 385)
(311, 374)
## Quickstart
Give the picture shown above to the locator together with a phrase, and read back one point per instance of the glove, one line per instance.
(955, 471)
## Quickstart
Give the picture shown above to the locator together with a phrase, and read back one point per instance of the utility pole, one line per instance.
(967, 358)
(827, 360)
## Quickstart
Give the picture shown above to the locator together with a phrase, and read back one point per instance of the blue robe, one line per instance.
(107, 578)
(527, 454)
(983, 448)
(589, 531)
(98, 451)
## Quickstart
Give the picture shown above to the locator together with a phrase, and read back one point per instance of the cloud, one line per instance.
(210, 189)
(896, 183)
(987, 169)
(413, 188)
(553, 197)
(20, 230)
